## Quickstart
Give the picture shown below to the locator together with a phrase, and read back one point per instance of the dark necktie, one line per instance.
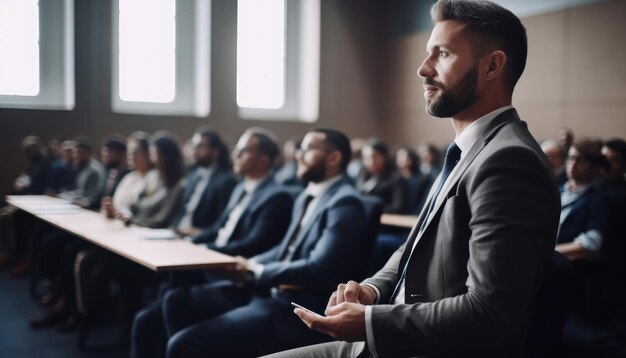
(453, 154)
(291, 247)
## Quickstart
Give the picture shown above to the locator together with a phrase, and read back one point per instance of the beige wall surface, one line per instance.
(575, 77)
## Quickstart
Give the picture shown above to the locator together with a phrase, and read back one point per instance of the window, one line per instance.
(37, 62)
(278, 59)
(161, 57)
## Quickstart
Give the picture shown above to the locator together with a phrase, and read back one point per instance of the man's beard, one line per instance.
(457, 98)
(315, 173)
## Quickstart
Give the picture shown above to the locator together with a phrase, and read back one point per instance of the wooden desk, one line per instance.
(113, 235)
(401, 221)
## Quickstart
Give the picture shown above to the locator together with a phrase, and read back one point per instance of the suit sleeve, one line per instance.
(514, 211)
(336, 249)
(267, 230)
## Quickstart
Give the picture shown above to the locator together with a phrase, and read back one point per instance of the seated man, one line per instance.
(209, 184)
(254, 221)
(256, 216)
(584, 207)
(321, 247)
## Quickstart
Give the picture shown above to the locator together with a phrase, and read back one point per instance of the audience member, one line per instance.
(430, 159)
(89, 177)
(466, 281)
(208, 184)
(379, 178)
(418, 185)
(286, 174)
(113, 158)
(355, 168)
(584, 208)
(614, 151)
(62, 171)
(322, 246)
(33, 182)
(253, 222)
(556, 156)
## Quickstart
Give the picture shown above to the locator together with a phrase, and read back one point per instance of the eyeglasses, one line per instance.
(302, 151)
(578, 159)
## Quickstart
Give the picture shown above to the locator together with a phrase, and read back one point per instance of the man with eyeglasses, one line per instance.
(584, 206)
(251, 314)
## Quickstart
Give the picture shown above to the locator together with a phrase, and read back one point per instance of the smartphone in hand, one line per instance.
(306, 309)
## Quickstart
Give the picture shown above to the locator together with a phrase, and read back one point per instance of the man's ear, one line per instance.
(494, 65)
(334, 158)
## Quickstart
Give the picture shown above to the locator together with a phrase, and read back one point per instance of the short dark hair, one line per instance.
(266, 143)
(142, 139)
(617, 145)
(489, 21)
(83, 142)
(339, 141)
(592, 150)
(115, 142)
(216, 142)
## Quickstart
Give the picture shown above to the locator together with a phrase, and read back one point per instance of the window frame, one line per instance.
(56, 60)
(302, 62)
(192, 64)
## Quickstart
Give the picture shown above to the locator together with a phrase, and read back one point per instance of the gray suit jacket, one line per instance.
(477, 266)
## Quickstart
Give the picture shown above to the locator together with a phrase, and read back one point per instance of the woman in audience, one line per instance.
(380, 179)
(133, 184)
(408, 166)
(161, 196)
(147, 197)
(584, 207)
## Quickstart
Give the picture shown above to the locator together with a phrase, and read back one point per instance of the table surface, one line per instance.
(113, 235)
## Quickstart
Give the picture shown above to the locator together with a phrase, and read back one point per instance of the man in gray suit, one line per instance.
(465, 282)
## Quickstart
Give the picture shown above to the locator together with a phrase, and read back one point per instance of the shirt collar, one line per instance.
(250, 185)
(318, 189)
(568, 188)
(474, 131)
(204, 172)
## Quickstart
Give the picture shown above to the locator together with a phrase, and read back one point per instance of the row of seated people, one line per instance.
(322, 245)
(585, 165)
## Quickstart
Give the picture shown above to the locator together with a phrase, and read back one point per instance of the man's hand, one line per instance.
(345, 313)
(352, 292)
(344, 322)
(192, 231)
(236, 273)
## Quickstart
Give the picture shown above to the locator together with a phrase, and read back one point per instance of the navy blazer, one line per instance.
(589, 211)
(329, 248)
(214, 198)
(261, 225)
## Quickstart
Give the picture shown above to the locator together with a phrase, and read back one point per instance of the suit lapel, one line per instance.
(496, 124)
(321, 205)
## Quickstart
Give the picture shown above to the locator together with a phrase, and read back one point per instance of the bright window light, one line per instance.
(147, 50)
(19, 47)
(261, 53)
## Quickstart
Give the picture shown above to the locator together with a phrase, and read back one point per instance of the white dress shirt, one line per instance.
(464, 140)
(225, 232)
(205, 175)
(317, 191)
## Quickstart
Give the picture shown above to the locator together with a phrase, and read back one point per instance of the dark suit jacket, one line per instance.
(214, 198)
(328, 248)
(478, 264)
(392, 190)
(262, 224)
(589, 211)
